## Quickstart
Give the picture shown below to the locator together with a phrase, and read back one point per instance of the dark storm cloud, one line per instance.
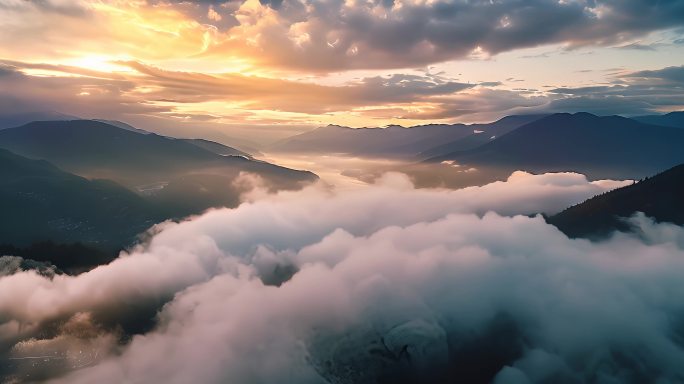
(405, 33)
(673, 75)
(272, 3)
(336, 35)
(632, 93)
(603, 105)
(6, 70)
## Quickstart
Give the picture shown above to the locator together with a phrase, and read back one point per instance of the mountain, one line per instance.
(40, 202)
(211, 146)
(482, 134)
(600, 147)
(217, 148)
(89, 147)
(375, 142)
(672, 119)
(395, 141)
(61, 204)
(17, 119)
(122, 125)
(240, 147)
(144, 162)
(659, 197)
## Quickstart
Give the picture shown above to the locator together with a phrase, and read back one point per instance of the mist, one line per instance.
(347, 172)
(382, 284)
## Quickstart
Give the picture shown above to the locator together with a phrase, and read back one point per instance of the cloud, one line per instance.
(639, 47)
(321, 36)
(77, 91)
(248, 66)
(401, 34)
(602, 105)
(669, 74)
(58, 7)
(146, 89)
(6, 71)
(632, 93)
(481, 104)
(438, 288)
(136, 91)
(276, 94)
(74, 29)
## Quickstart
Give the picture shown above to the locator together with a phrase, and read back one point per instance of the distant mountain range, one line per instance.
(659, 197)
(97, 184)
(672, 119)
(395, 141)
(95, 149)
(600, 147)
(482, 134)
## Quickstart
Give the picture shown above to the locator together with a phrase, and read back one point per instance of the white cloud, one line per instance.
(389, 280)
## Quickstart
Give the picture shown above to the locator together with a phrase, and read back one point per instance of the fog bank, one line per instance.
(386, 284)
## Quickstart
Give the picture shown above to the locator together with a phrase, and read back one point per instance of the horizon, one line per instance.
(341, 191)
(66, 117)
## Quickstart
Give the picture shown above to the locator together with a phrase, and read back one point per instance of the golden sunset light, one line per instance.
(285, 62)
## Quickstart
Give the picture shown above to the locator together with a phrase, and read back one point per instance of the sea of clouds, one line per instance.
(387, 284)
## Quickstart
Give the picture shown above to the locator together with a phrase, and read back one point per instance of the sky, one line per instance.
(264, 70)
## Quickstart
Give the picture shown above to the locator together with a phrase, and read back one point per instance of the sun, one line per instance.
(101, 63)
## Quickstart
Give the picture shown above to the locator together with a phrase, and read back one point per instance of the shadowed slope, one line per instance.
(40, 202)
(600, 147)
(659, 197)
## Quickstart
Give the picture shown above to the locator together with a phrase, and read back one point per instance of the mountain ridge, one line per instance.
(672, 119)
(658, 197)
(394, 140)
(95, 149)
(598, 146)
(41, 202)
